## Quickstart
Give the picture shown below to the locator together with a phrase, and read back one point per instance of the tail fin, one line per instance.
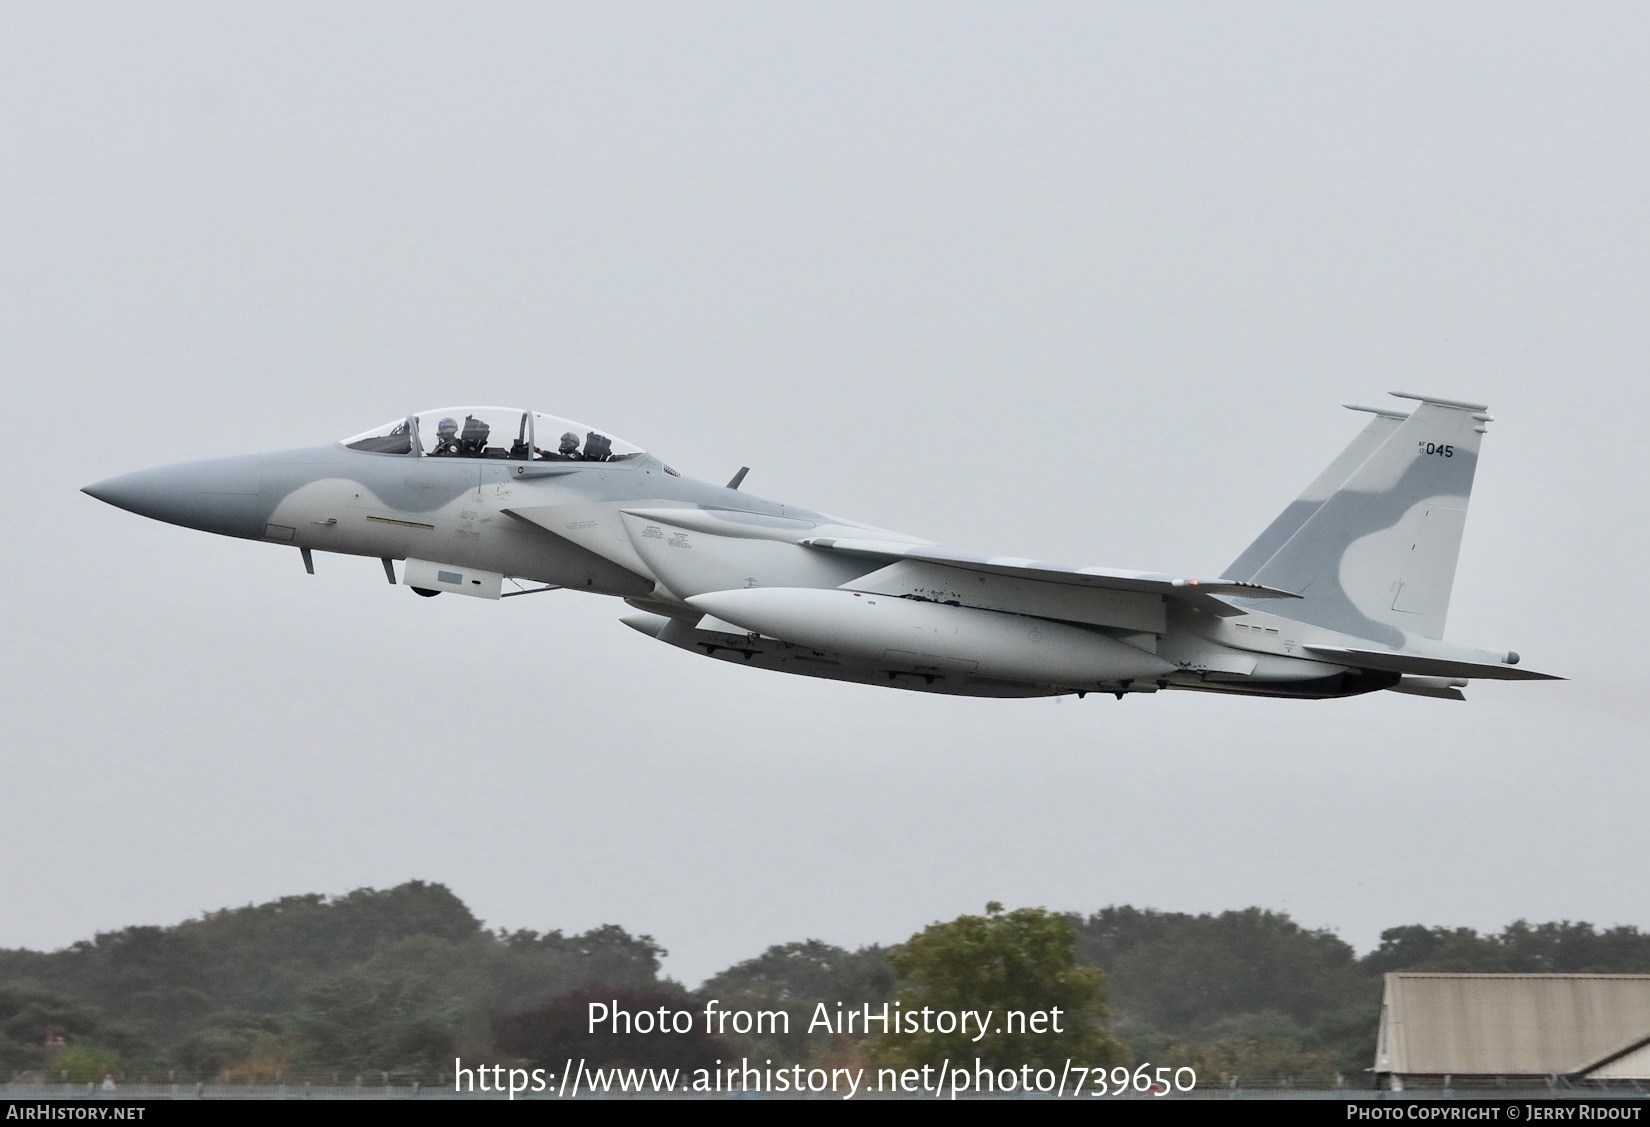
(1312, 498)
(1376, 558)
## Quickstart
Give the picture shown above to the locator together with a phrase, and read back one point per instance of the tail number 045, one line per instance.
(1437, 448)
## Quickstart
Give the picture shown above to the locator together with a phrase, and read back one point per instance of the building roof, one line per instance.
(1631, 1063)
(1509, 1024)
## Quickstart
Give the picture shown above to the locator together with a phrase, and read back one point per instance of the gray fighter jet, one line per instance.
(1344, 593)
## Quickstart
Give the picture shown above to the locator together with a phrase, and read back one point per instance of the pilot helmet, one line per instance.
(569, 443)
(446, 428)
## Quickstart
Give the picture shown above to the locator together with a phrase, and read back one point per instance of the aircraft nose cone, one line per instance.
(134, 492)
(221, 495)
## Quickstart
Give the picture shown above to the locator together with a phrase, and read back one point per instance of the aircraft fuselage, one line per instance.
(727, 574)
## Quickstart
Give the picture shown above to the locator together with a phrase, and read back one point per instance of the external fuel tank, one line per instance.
(912, 634)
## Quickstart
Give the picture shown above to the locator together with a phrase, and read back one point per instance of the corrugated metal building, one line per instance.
(1514, 1026)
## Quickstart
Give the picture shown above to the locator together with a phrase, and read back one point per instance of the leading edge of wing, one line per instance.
(1110, 578)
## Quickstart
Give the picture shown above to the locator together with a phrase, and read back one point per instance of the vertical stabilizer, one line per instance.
(1334, 476)
(1377, 558)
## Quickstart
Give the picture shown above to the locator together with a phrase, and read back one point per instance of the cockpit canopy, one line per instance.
(494, 432)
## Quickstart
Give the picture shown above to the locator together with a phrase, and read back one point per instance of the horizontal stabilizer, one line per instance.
(1393, 662)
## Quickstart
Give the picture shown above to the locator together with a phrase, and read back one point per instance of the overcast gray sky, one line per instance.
(1083, 282)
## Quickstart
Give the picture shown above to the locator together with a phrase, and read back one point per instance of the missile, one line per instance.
(934, 637)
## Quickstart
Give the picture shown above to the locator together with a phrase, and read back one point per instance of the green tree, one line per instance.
(1255, 1058)
(1003, 962)
(1253, 978)
(30, 1013)
(559, 1030)
(811, 971)
(795, 978)
(1180, 974)
(1522, 948)
(403, 1011)
(225, 1040)
(82, 1062)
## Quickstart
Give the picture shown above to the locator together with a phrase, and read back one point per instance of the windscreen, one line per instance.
(391, 438)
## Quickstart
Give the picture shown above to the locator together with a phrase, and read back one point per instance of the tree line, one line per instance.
(400, 981)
